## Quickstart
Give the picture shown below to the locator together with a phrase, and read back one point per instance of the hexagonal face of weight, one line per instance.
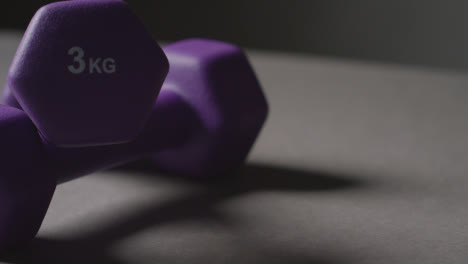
(218, 82)
(87, 72)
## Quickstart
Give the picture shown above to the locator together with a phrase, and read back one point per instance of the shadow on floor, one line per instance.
(201, 205)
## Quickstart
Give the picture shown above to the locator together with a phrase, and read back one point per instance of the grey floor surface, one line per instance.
(358, 163)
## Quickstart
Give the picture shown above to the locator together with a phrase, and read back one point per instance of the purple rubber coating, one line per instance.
(219, 83)
(26, 187)
(31, 168)
(170, 125)
(87, 72)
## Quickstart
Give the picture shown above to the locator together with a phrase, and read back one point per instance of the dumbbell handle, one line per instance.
(171, 124)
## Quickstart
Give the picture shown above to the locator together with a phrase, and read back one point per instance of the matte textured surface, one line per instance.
(358, 163)
(26, 186)
(87, 72)
(217, 81)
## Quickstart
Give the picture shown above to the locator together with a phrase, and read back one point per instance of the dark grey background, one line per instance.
(421, 32)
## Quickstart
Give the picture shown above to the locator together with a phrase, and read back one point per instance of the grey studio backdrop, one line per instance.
(416, 32)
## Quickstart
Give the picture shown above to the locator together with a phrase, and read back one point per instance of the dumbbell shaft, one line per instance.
(171, 124)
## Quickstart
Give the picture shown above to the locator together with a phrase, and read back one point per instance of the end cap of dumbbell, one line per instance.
(221, 86)
(87, 72)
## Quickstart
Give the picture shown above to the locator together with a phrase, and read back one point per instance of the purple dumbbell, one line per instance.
(195, 116)
(205, 120)
(87, 72)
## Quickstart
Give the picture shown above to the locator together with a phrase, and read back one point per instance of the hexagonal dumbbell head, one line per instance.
(216, 79)
(26, 185)
(87, 72)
